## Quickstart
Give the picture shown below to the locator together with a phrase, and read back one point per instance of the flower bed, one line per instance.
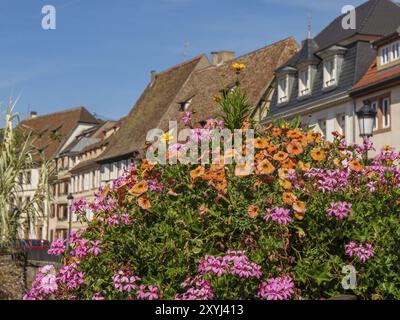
(285, 231)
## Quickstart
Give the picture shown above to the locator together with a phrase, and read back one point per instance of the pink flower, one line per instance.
(57, 247)
(97, 296)
(341, 210)
(281, 288)
(94, 249)
(150, 294)
(48, 284)
(186, 118)
(280, 215)
(363, 252)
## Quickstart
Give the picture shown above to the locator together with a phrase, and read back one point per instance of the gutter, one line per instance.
(310, 106)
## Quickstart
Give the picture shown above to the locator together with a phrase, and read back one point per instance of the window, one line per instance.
(383, 117)
(341, 120)
(52, 210)
(28, 177)
(330, 72)
(184, 106)
(396, 50)
(322, 126)
(283, 90)
(21, 178)
(304, 82)
(385, 55)
(374, 106)
(63, 212)
(385, 113)
(390, 53)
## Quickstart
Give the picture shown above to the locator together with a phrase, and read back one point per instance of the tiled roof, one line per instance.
(374, 17)
(53, 128)
(150, 107)
(208, 82)
(374, 76)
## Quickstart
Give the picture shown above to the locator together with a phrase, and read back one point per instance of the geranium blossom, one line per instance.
(340, 210)
(279, 215)
(281, 288)
(363, 252)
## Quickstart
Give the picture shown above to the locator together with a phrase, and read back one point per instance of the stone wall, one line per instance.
(12, 279)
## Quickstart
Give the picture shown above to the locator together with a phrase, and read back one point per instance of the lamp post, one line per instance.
(366, 120)
(70, 199)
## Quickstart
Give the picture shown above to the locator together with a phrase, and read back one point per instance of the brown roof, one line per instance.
(149, 108)
(53, 128)
(374, 77)
(206, 83)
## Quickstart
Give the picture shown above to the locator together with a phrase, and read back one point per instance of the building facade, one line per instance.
(316, 84)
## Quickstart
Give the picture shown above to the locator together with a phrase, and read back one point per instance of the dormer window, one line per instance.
(330, 72)
(304, 82)
(332, 64)
(389, 53)
(184, 106)
(283, 92)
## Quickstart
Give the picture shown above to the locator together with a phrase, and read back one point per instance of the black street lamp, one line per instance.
(366, 120)
(70, 199)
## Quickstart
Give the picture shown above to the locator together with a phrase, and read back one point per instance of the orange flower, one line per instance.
(318, 154)
(285, 184)
(288, 198)
(283, 172)
(198, 172)
(289, 164)
(299, 206)
(355, 165)
(276, 132)
(294, 148)
(294, 134)
(147, 165)
(242, 170)
(336, 161)
(106, 190)
(303, 166)
(253, 211)
(260, 143)
(139, 188)
(299, 215)
(272, 148)
(265, 167)
(144, 203)
(280, 156)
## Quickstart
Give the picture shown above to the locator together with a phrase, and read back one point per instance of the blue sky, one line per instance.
(101, 53)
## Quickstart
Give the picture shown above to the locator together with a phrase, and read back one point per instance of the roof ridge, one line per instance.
(55, 113)
(181, 64)
(249, 53)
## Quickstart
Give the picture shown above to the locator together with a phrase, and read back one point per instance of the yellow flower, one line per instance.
(217, 99)
(238, 66)
(167, 137)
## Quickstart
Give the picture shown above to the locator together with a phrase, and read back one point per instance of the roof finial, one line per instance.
(309, 19)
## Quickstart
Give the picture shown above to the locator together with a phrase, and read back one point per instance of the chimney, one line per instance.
(153, 74)
(33, 115)
(219, 57)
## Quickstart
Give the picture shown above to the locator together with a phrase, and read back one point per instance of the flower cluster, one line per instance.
(186, 118)
(147, 292)
(280, 215)
(79, 206)
(281, 288)
(328, 180)
(57, 247)
(44, 285)
(124, 281)
(363, 252)
(69, 277)
(340, 210)
(196, 289)
(234, 262)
